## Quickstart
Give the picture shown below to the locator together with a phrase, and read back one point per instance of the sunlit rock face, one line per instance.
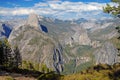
(35, 46)
(33, 21)
(44, 41)
(79, 37)
(108, 54)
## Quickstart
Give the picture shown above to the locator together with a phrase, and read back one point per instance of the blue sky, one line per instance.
(62, 9)
(28, 3)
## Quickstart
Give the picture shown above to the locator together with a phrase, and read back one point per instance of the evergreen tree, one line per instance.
(1, 53)
(8, 56)
(17, 57)
(115, 10)
(5, 53)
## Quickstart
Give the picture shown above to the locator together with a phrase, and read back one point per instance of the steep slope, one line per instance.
(33, 21)
(39, 47)
(36, 46)
(97, 72)
(6, 26)
(61, 45)
(108, 54)
(78, 35)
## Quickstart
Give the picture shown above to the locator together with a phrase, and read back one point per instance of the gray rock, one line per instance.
(37, 47)
(79, 37)
(58, 58)
(107, 54)
(33, 21)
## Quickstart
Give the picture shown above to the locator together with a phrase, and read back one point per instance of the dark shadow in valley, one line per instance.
(7, 30)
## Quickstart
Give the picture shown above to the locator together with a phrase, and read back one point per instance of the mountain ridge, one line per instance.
(57, 44)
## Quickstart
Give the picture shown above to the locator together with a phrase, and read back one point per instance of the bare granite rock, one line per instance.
(35, 46)
(33, 21)
(108, 54)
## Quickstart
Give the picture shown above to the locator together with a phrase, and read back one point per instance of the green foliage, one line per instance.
(115, 10)
(116, 42)
(27, 65)
(77, 51)
(116, 1)
(49, 76)
(107, 9)
(35, 66)
(5, 50)
(69, 68)
(84, 66)
(68, 50)
(44, 68)
(85, 50)
(9, 78)
(9, 57)
(97, 72)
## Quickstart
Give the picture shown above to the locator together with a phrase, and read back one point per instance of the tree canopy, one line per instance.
(114, 10)
(9, 57)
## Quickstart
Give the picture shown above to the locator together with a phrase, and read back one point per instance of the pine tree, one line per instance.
(9, 57)
(17, 57)
(114, 10)
(5, 53)
(1, 54)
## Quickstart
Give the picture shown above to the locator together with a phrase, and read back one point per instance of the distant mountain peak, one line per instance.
(33, 21)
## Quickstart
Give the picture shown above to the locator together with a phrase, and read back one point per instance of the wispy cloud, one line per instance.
(28, 0)
(51, 0)
(41, 4)
(13, 4)
(58, 9)
(15, 11)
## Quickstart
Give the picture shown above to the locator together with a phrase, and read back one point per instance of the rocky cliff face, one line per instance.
(45, 47)
(33, 21)
(6, 26)
(58, 58)
(79, 37)
(108, 54)
(36, 46)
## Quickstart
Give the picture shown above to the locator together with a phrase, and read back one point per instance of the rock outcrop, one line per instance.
(58, 58)
(80, 37)
(33, 21)
(108, 54)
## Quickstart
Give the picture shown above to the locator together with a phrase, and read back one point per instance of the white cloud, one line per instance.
(15, 11)
(59, 9)
(76, 6)
(41, 4)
